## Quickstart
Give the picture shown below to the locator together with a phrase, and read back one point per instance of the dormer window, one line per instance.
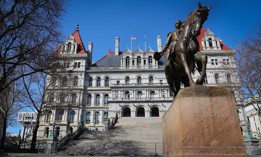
(69, 47)
(138, 61)
(210, 43)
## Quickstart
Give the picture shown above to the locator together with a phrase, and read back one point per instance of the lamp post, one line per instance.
(54, 138)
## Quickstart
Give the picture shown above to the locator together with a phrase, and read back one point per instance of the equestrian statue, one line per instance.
(184, 55)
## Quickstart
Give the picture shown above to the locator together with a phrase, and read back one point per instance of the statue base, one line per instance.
(202, 121)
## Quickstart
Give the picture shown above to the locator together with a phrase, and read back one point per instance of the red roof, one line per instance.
(78, 39)
(202, 35)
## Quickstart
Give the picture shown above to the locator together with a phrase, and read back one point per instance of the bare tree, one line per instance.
(249, 63)
(29, 32)
(9, 106)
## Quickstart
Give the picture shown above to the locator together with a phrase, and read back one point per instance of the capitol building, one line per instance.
(124, 83)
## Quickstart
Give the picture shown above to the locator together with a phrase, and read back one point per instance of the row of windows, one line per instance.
(97, 99)
(217, 79)
(127, 81)
(138, 60)
(63, 81)
(75, 65)
(215, 61)
(63, 98)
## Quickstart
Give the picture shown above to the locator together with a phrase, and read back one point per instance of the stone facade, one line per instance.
(125, 83)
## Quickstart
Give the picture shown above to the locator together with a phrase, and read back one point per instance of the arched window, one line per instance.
(139, 93)
(48, 116)
(96, 119)
(71, 116)
(139, 80)
(69, 47)
(127, 61)
(151, 80)
(106, 99)
(152, 94)
(140, 112)
(154, 112)
(64, 81)
(126, 112)
(105, 115)
(97, 99)
(228, 78)
(89, 99)
(88, 117)
(90, 82)
(127, 95)
(127, 80)
(75, 81)
(138, 61)
(59, 115)
(217, 78)
(74, 97)
(98, 82)
(150, 60)
(62, 97)
(107, 81)
(210, 43)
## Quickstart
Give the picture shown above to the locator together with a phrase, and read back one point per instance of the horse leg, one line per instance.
(201, 61)
(186, 67)
(169, 77)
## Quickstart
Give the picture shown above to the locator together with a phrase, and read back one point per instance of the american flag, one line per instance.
(133, 38)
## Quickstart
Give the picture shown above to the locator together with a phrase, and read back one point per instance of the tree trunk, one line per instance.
(34, 138)
(2, 146)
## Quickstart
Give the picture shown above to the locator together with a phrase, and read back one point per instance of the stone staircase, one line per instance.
(139, 136)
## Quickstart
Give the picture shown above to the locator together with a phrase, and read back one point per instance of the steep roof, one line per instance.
(76, 35)
(203, 32)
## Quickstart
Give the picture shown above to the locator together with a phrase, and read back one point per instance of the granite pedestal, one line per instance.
(202, 121)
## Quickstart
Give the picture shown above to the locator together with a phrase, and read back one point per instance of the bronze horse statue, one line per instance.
(184, 54)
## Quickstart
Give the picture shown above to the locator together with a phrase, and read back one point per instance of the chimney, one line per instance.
(90, 46)
(117, 46)
(159, 43)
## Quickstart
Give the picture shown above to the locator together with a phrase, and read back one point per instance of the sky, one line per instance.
(100, 21)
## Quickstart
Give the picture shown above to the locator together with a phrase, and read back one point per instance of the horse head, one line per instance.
(199, 16)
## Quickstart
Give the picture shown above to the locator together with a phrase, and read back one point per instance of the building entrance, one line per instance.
(154, 112)
(126, 112)
(140, 112)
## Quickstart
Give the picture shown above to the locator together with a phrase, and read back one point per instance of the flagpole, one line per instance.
(131, 42)
(145, 43)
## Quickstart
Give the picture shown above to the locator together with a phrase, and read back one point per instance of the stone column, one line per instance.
(93, 99)
(101, 117)
(102, 100)
(92, 117)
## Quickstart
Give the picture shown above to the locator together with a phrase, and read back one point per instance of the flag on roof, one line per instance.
(133, 38)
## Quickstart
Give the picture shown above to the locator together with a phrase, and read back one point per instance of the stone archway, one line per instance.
(126, 112)
(140, 112)
(154, 111)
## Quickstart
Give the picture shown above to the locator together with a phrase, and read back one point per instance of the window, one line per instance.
(226, 61)
(161, 82)
(105, 115)
(62, 98)
(71, 116)
(138, 61)
(107, 81)
(98, 83)
(214, 62)
(69, 47)
(127, 95)
(205, 80)
(150, 61)
(97, 99)
(89, 99)
(64, 81)
(90, 82)
(59, 115)
(79, 64)
(67, 65)
(144, 61)
(53, 81)
(210, 43)
(139, 93)
(228, 78)
(127, 80)
(217, 78)
(48, 116)
(88, 117)
(74, 96)
(51, 97)
(139, 80)
(106, 99)
(152, 94)
(118, 82)
(75, 65)
(96, 119)
(133, 62)
(75, 81)
(151, 80)
(127, 61)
